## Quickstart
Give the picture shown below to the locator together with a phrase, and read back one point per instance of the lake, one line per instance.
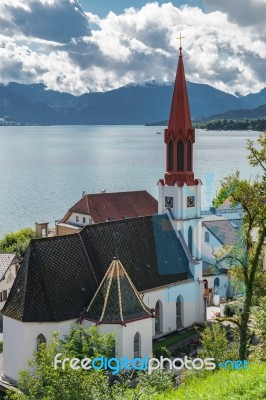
(43, 170)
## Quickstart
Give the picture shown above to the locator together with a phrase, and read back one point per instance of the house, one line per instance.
(217, 234)
(133, 269)
(9, 266)
(104, 207)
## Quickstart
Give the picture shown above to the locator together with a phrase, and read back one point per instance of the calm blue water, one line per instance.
(43, 170)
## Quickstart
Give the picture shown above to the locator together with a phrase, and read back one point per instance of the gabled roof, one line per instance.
(6, 259)
(60, 275)
(116, 301)
(104, 207)
(225, 231)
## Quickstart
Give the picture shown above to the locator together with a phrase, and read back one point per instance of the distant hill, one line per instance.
(259, 112)
(131, 104)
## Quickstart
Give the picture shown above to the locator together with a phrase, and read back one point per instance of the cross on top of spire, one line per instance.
(180, 43)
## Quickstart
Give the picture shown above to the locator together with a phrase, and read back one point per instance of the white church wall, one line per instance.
(192, 302)
(20, 342)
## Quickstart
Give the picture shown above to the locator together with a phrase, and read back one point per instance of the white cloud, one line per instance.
(84, 52)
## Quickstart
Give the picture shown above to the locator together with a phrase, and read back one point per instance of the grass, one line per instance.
(1, 347)
(223, 384)
(173, 338)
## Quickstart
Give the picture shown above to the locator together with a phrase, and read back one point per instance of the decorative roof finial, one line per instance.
(180, 41)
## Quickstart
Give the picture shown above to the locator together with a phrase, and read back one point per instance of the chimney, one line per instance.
(41, 229)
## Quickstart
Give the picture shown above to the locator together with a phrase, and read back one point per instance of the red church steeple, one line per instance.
(180, 135)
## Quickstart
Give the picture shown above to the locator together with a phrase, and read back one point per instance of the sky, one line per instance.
(98, 45)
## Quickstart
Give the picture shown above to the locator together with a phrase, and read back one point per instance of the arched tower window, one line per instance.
(180, 155)
(137, 353)
(190, 240)
(40, 339)
(158, 319)
(179, 312)
(189, 156)
(170, 156)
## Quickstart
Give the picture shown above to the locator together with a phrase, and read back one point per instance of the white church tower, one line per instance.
(179, 192)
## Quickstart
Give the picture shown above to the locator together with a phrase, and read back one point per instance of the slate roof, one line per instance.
(104, 207)
(225, 231)
(6, 259)
(116, 301)
(60, 275)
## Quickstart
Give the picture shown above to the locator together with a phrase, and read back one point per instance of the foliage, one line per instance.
(257, 156)
(259, 313)
(230, 310)
(17, 242)
(158, 381)
(223, 384)
(246, 255)
(232, 124)
(216, 345)
(162, 352)
(83, 343)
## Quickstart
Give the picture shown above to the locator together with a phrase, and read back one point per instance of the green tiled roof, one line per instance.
(117, 301)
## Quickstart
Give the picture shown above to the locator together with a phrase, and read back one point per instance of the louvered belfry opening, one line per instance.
(180, 156)
(189, 156)
(171, 156)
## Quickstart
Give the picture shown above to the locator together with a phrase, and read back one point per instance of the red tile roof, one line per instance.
(104, 207)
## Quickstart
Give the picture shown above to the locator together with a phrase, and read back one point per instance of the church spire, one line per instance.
(180, 135)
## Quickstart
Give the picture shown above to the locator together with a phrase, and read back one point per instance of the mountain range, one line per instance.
(131, 104)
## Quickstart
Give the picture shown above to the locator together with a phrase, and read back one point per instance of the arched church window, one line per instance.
(158, 319)
(189, 156)
(40, 339)
(179, 312)
(190, 240)
(216, 282)
(180, 156)
(170, 156)
(137, 353)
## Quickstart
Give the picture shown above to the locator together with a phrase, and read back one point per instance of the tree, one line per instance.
(247, 253)
(216, 345)
(17, 242)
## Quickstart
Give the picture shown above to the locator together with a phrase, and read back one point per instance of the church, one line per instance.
(139, 277)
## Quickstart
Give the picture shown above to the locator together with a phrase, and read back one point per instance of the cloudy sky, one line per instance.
(95, 45)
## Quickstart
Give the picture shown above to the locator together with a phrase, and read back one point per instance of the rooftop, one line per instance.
(60, 275)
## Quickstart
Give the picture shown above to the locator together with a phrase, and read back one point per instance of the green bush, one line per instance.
(230, 310)
(162, 351)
